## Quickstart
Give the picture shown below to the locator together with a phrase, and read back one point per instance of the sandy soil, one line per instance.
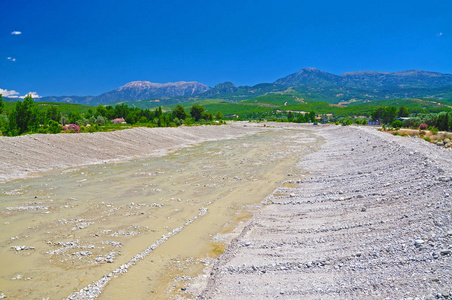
(20, 156)
(138, 229)
(371, 220)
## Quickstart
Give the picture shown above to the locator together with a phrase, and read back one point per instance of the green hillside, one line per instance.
(280, 104)
(267, 105)
(65, 108)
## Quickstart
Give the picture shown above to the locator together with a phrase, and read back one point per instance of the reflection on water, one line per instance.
(65, 229)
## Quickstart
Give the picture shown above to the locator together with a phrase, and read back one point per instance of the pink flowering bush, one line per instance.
(423, 126)
(73, 127)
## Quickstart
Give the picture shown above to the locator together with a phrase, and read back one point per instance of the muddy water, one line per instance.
(79, 224)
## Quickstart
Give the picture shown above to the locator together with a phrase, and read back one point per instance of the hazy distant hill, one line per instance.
(310, 77)
(222, 88)
(367, 79)
(228, 91)
(88, 100)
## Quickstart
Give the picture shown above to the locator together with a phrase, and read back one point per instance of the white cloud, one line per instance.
(16, 32)
(11, 58)
(14, 94)
(34, 95)
(439, 34)
(10, 94)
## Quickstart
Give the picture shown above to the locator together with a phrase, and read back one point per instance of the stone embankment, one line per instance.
(371, 220)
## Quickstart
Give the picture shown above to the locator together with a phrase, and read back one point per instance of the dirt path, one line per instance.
(371, 220)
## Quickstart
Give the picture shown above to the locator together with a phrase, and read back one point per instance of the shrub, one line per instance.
(397, 123)
(442, 121)
(100, 120)
(346, 122)
(434, 130)
(423, 126)
(54, 127)
(71, 128)
(412, 122)
(427, 139)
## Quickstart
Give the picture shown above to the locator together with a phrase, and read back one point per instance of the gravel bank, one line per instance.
(371, 220)
(22, 155)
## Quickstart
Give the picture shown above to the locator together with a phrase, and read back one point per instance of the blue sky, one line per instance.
(90, 47)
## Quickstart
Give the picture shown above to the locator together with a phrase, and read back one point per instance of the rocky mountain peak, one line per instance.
(141, 90)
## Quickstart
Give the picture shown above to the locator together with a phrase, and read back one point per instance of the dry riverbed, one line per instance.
(139, 229)
(372, 220)
(286, 211)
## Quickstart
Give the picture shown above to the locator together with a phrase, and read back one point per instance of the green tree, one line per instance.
(24, 117)
(196, 112)
(131, 118)
(53, 113)
(219, 115)
(179, 112)
(100, 120)
(2, 105)
(301, 118)
(450, 121)
(312, 116)
(442, 121)
(377, 114)
(158, 112)
(389, 114)
(403, 112)
(54, 127)
(110, 112)
(143, 119)
(397, 123)
(74, 116)
(122, 111)
(101, 110)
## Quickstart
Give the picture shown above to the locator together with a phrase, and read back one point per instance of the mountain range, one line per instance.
(310, 82)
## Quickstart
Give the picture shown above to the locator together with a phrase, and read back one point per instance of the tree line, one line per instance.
(26, 118)
(387, 115)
